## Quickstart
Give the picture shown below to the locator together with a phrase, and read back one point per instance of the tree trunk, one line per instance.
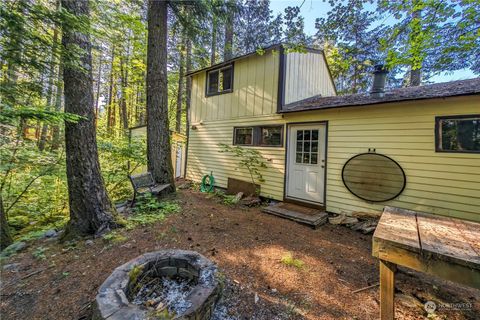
(91, 211)
(97, 96)
(188, 87)
(415, 77)
(213, 47)
(110, 94)
(5, 237)
(43, 134)
(51, 76)
(158, 131)
(228, 49)
(181, 71)
(123, 98)
(58, 107)
(416, 71)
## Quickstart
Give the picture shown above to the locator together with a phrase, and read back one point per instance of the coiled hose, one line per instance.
(208, 187)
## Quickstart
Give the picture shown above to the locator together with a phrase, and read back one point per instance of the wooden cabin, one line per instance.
(285, 106)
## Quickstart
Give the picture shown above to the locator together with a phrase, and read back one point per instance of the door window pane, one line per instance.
(306, 134)
(298, 158)
(313, 158)
(306, 157)
(306, 146)
(299, 146)
(299, 135)
(314, 134)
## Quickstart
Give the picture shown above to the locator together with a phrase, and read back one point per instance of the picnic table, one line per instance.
(441, 246)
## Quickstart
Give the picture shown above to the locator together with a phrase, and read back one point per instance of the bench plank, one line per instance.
(471, 233)
(398, 226)
(440, 238)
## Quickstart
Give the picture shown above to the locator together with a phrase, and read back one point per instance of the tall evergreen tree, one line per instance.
(91, 211)
(429, 37)
(158, 131)
(350, 43)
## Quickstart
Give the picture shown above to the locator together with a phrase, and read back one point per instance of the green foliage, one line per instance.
(114, 237)
(39, 253)
(224, 198)
(33, 187)
(149, 210)
(290, 261)
(250, 159)
(161, 315)
(34, 184)
(9, 115)
(120, 157)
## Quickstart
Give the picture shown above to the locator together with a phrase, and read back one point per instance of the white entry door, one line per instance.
(306, 163)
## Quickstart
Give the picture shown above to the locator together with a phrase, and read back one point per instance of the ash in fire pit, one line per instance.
(164, 293)
(173, 283)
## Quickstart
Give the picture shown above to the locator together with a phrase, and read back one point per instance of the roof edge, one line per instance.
(229, 61)
(372, 103)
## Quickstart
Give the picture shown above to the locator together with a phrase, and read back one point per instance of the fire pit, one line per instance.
(169, 284)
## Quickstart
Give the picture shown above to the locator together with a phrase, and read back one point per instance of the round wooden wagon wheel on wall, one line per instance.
(373, 177)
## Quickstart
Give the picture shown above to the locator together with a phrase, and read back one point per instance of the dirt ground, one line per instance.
(248, 247)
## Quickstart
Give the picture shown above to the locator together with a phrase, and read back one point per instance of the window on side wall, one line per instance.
(271, 136)
(457, 134)
(243, 136)
(265, 136)
(220, 81)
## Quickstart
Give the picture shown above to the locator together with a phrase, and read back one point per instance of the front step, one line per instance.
(309, 216)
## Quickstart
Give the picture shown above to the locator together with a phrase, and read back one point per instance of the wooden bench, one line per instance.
(144, 183)
(444, 247)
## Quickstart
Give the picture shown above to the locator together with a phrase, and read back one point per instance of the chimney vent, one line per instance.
(379, 77)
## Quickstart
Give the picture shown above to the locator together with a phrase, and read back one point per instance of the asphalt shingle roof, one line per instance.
(431, 91)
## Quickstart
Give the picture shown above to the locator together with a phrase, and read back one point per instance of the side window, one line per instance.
(271, 136)
(243, 136)
(227, 78)
(212, 82)
(219, 81)
(458, 134)
(265, 136)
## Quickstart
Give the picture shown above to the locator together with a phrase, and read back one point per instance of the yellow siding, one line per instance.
(255, 86)
(306, 75)
(441, 183)
(204, 156)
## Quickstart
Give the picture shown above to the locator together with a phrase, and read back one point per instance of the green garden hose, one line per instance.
(208, 187)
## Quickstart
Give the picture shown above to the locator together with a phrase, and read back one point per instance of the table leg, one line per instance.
(387, 290)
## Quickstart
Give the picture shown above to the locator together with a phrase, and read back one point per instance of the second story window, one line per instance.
(220, 81)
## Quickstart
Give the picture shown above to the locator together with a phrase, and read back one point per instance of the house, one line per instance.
(178, 142)
(420, 146)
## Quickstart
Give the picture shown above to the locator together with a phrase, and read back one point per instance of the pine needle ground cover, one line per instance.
(49, 280)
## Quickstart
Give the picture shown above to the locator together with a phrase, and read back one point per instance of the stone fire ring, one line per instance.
(112, 302)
